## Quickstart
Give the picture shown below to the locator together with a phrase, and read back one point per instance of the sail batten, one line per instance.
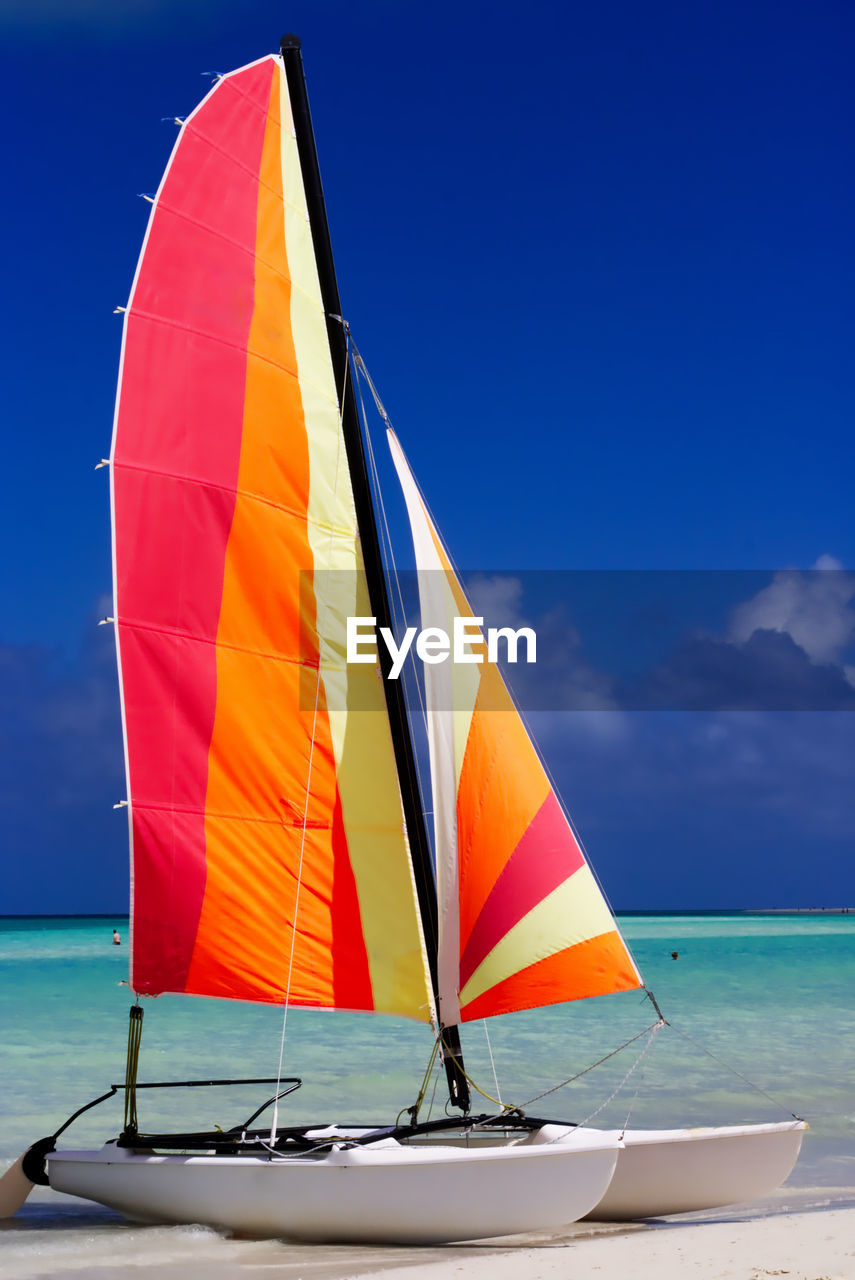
(523, 922)
(266, 817)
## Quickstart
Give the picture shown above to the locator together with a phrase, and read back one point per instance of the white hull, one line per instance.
(662, 1171)
(381, 1193)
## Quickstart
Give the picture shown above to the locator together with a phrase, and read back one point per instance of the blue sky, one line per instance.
(598, 259)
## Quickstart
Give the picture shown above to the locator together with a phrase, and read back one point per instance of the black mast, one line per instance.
(376, 580)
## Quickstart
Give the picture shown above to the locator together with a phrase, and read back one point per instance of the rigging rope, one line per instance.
(483, 1092)
(413, 1111)
(319, 631)
(439, 1042)
(650, 1031)
(433, 1094)
(492, 1063)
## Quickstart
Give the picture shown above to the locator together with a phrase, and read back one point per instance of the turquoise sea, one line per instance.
(765, 998)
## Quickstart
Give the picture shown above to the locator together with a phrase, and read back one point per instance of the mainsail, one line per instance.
(270, 859)
(522, 922)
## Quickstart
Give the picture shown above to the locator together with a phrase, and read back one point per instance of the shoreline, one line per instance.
(806, 1234)
(812, 1244)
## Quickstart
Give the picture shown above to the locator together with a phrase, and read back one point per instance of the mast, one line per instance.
(371, 552)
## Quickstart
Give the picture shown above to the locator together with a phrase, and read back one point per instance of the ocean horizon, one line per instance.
(621, 912)
(760, 996)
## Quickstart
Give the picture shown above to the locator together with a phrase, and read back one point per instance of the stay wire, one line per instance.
(361, 372)
(652, 1033)
(634, 1099)
(727, 1066)
(386, 539)
(654, 1027)
(387, 548)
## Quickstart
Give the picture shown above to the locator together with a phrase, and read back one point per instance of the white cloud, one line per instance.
(815, 609)
(560, 730)
(496, 598)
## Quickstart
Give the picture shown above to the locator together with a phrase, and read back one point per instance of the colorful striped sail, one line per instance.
(269, 854)
(522, 922)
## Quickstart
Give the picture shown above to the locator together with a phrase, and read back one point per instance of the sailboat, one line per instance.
(279, 847)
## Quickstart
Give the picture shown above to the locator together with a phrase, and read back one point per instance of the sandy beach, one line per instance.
(818, 1245)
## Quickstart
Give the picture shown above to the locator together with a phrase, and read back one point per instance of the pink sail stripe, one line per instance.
(545, 857)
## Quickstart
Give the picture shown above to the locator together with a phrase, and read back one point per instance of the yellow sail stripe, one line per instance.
(365, 767)
(574, 912)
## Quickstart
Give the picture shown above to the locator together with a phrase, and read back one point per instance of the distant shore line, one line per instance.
(801, 911)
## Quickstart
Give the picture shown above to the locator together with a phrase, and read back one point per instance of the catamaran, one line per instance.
(279, 848)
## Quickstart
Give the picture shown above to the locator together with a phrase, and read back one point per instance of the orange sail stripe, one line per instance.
(502, 787)
(596, 967)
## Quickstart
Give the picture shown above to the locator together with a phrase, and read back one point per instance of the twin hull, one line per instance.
(662, 1171)
(383, 1193)
(386, 1192)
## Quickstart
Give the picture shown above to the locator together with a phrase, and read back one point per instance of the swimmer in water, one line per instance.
(117, 941)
